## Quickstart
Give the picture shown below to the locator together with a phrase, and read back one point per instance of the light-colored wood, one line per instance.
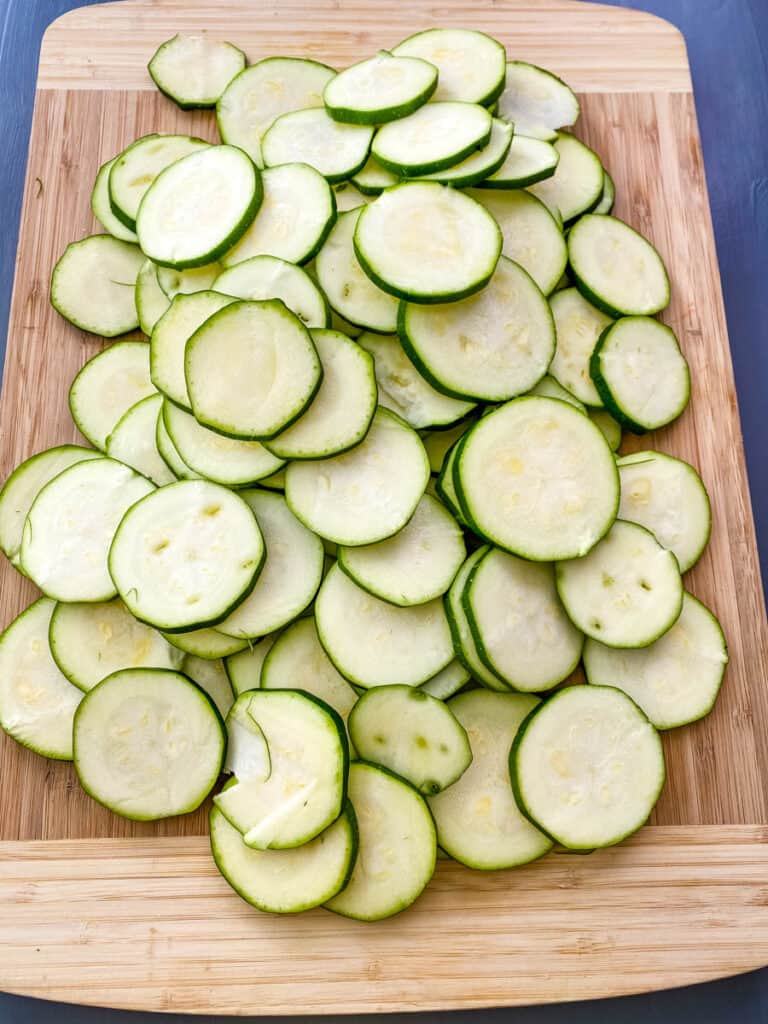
(150, 923)
(596, 48)
(127, 918)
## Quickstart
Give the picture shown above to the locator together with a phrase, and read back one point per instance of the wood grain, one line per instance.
(126, 917)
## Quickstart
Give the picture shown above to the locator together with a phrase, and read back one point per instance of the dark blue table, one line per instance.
(728, 50)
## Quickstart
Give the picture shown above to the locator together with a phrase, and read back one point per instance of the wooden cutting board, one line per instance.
(100, 910)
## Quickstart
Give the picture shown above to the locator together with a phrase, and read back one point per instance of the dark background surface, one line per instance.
(728, 50)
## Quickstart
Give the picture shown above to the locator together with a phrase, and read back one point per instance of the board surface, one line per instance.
(101, 910)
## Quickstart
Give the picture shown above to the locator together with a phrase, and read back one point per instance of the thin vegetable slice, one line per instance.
(93, 285)
(194, 71)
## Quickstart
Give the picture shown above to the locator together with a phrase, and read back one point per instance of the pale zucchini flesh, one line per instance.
(268, 277)
(312, 136)
(93, 285)
(186, 282)
(548, 387)
(150, 299)
(109, 384)
(447, 682)
(102, 209)
(481, 163)
(206, 643)
(194, 70)
(380, 89)
(537, 101)
(210, 675)
(470, 64)
(133, 441)
(434, 137)
(579, 325)
(526, 162)
(577, 184)
(244, 668)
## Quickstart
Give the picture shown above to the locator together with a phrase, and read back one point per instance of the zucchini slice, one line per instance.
(538, 479)
(37, 703)
(464, 644)
(94, 282)
(428, 243)
(380, 89)
(165, 744)
(347, 197)
(109, 384)
(268, 277)
(478, 822)
(471, 65)
(194, 71)
(102, 209)
(91, 641)
(209, 674)
(186, 556)
(434, 137)
(286, 881)
(339, 415)
(374, 643)
(196, 209)
(23, 486)
(350, 291)
(404, 390)
(398, 847)
(151, 301)
(304, 790)
(579, 325)
(373, 178)
(169, 453)
(368, 493)
(548, 387)
(520, 628)
(414, 566)
(291, 573)
(611, 431)
(133, 441)
(641, 374)
(438, 443)
(251, 369)
(526, 162)
(492, 346)
(607, 199)
(617, 269)
(187, 282)
(626, 592)
(531, 235)
(587, 767)
(244, 668)
(264, 91)
(577, 184)
(667, 497)
(447, 682)
(208, 644)
(537, 101)
(482, 162)
(312, 136)
(676, 679)
(70, 527)
(296, 214)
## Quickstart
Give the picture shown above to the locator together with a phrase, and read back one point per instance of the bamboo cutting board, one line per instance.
(99, 910)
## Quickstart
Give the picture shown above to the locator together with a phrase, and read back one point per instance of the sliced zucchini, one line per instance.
(372, 179)
(312, 136)
(428, 243)
(610, 429)
(676, 679)
(579, 325)
(549, 388)
(617, 269)
(198, 208)
(223, 460)
(244, 668)
(461, 635)
(187, 282)
(380, 89)
(445, 490)
(291, 574)
(109, 384)
(479, 164)
(531, 235)
(37, 703)
(194, 71)
(412, 734)
(414, 566)
(471, 64)
(70, 526)
(102, 210)
(209, 674)
(538, 479)
(374, 643)
(133, 441)
(267, 277)
(296, 661)
(349, 289)
(340, 414)
(23, 486)
(434, 137)
(641, 374)
(605, 205)
(478, 822)
(439, 442)
(447, 682)
(91, 641)
(667, 497)
(169, 453)
(206, 643)
(305, 789)
(397, 846)
(348, 197)
(150, 299)
(587, 767)
(368, 493)
(286, 881)
(404, 390)
(296, 214)
(492, 346)
(518, 623)
(626, 592)
(536, 100)
(264, 91)
(526, 162)
(186, 556)
(251, 369)
(274, 482)
(137, 167)
(93, 285)
(165, 744)
(577, 184)
(169, 341)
